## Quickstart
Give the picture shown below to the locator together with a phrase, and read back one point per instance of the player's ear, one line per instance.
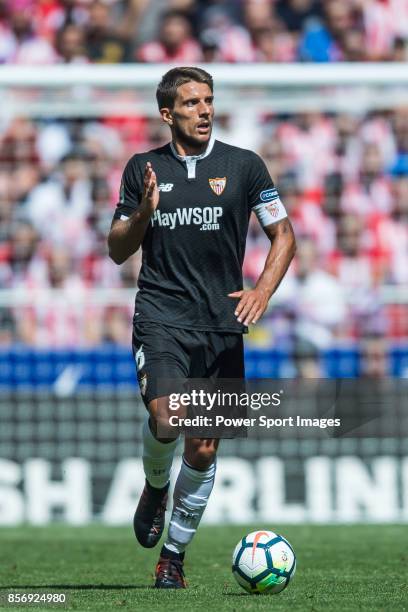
(166, 116)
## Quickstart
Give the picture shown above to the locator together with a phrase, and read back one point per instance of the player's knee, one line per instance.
(162, 431)
(200, 455)
(160, 427)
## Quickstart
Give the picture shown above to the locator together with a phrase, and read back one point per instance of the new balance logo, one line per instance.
(166, 186)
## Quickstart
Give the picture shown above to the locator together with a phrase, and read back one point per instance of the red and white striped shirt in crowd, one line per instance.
(383, 21)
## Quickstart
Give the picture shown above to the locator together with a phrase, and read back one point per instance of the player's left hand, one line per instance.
(251, 306)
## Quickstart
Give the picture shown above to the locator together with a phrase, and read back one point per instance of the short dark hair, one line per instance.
(167, 89)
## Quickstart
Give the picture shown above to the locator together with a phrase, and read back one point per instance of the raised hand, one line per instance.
(150, 198)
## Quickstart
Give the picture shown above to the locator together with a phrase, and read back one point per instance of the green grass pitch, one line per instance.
(362, 568)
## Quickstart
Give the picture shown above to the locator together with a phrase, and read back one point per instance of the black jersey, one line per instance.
(194, 246)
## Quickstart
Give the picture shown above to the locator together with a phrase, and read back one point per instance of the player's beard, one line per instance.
(190, 141)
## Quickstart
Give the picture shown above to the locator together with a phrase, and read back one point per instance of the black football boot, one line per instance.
(148, 522)
(169, 570)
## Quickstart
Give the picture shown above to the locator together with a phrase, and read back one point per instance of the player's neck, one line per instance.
(186, 150)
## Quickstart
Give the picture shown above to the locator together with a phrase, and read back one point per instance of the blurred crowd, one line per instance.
(348, 201)
(191, 31)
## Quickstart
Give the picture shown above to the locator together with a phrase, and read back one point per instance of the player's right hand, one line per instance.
(150, 198)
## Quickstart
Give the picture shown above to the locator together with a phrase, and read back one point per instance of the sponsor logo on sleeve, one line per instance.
(218, 185)
(268, 195)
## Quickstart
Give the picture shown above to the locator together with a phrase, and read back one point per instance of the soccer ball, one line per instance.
(263, 562)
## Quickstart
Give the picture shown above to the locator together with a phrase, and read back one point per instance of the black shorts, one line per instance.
(167, 353)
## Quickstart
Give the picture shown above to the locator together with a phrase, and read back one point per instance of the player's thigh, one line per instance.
(161, 364)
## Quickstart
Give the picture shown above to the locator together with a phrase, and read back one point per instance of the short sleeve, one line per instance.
(263, 197)
(130, 191)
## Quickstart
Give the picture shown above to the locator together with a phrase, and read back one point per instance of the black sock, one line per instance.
(169, 554)
(155, 490)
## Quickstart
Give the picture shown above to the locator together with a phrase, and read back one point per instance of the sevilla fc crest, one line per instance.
(273, 209)
(218, 184)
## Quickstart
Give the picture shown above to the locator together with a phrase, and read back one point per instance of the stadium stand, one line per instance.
(189, 31)
(59, 177)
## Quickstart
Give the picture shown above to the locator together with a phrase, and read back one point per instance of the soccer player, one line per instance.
(188, 204)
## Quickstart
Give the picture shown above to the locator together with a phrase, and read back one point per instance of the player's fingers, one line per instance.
(251, 316)
(236, 294)
(241, 304)
(244, 312)
(147, 179)
(148, 169)
(259, 313)
(151, 189)
(256, 316)
(247, 297)
(152, 184)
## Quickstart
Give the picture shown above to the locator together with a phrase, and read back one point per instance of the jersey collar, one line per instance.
(190, 158)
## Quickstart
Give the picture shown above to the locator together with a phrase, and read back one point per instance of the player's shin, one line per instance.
(191, 494)
(157, 458)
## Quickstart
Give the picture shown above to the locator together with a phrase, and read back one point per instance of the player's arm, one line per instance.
(253, 302)
(263, 199)
(126, 234)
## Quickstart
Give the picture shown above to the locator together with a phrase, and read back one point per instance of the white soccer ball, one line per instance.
(263, 562)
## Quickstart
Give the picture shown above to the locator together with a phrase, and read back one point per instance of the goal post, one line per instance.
(108, 90)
